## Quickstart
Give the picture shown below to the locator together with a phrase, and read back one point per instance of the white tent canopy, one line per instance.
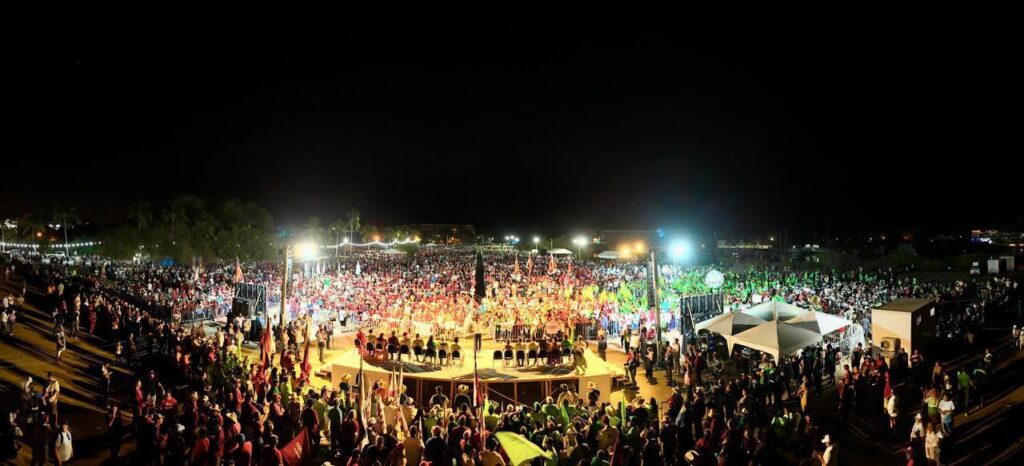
(608, 255)
(775, 338)
(820, 322)
(729, 323)
(775, 310)
(559, 252)
(392, 252)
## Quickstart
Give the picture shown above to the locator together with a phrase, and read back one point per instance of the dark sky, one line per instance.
(540, 120)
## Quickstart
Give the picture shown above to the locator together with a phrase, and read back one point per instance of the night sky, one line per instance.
(540, 121)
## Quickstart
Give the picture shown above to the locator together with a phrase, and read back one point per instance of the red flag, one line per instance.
(306, 366)
(238, 272)
(297, 450)
(552, 265)
(515, 269)
(266, 353)
(529, 265)
(616, 459)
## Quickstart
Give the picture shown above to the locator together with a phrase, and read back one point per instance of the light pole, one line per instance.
(578, 241)
(536, 241)
(337, 240)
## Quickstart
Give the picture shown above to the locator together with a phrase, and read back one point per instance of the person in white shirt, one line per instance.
(917, 432)
(946, 408)
(830, 456)
(932, 438)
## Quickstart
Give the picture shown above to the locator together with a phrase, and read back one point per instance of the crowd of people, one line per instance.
(247, 411)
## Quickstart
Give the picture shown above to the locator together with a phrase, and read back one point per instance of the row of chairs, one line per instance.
(520, 358)
(379, 350)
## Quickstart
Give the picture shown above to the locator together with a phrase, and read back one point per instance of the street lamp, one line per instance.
(337, 237)
(579, 241)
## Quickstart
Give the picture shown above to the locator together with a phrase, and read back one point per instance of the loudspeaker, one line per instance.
(240, 307)
(890, 344)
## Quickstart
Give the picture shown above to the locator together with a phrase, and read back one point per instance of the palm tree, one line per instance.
(176, 212)
(337, 225)
(31, 226)
(353, 222)
(141, 213)
(65, 219)
(6, 224)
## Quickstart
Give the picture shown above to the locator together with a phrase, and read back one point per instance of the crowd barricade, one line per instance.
(586, 330)
(513, 332)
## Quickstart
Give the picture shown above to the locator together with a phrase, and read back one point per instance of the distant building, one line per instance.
(446, 233)
(997, 237)
(729, 245)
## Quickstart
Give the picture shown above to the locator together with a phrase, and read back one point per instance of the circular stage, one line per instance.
(504, 381)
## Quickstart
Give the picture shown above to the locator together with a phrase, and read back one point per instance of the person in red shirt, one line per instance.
(271, 456)
(140, 398)
(201, 450)
(242, 454)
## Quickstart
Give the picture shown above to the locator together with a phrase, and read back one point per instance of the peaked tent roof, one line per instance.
(730, 323)
(559, 252)
(775, 310)
(820, 322)
(776, 338)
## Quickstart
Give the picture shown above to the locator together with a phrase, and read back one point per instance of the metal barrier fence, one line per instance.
(516, 332)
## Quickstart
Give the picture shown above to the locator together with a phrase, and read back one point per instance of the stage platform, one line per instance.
(505, 384)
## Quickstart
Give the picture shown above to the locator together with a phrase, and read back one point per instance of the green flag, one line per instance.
(519, 449)
(566, 420)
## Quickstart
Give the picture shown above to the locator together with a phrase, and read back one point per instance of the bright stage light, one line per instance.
(639, 247)
(680, 250)
(306, 250)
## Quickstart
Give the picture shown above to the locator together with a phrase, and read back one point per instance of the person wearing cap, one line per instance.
(829, 457)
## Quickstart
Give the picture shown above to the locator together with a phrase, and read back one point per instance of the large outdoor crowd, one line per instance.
(234, 409)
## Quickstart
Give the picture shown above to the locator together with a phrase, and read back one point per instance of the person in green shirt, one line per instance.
(965, 386)
(979, 377)
(549, 409)
(600, 459)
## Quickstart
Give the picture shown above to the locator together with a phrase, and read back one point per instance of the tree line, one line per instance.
(189, 228)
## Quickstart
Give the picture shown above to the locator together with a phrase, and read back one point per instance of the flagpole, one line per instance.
(655, 305)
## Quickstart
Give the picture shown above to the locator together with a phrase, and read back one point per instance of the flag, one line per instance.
(266, 352)
(238, 272)
(515, 269)
(519, 449)
(616, 458)
(569, 270)
(295, 452)
(622, 413)
(306, 366)
(552, 265)
(566, 420)
(529, 265)
(357, 268)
